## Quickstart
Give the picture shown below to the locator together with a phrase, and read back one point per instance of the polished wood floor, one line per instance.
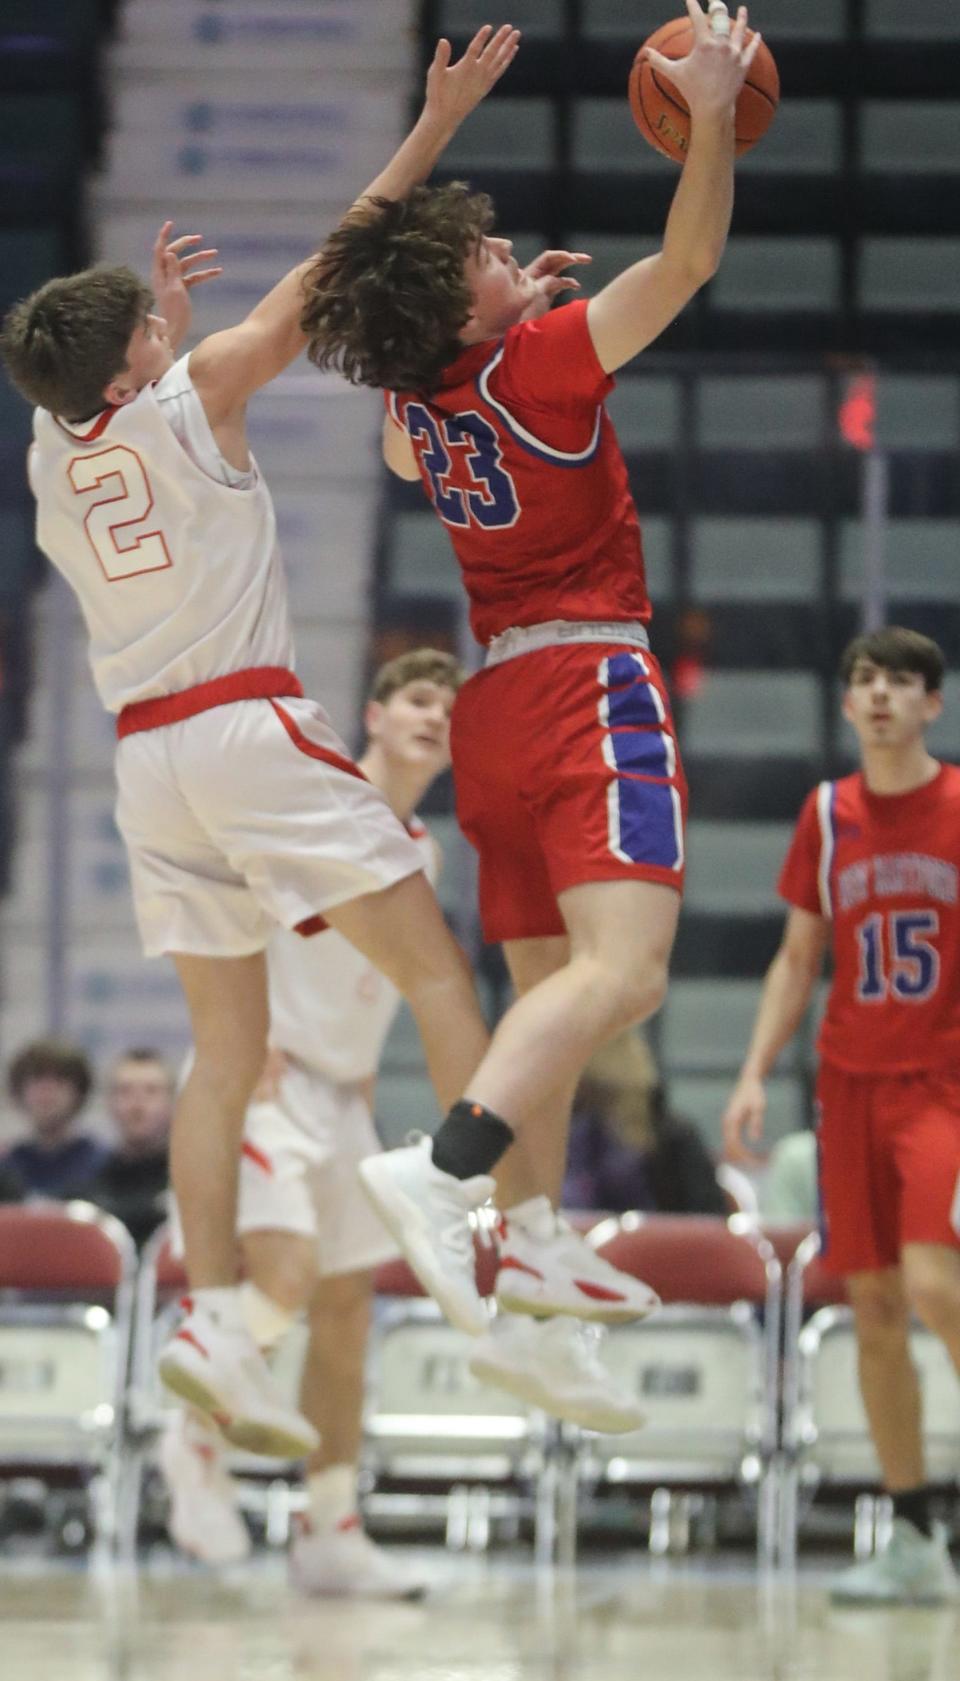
(613, 1619)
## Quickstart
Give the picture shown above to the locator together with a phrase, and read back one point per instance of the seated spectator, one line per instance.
(133, 1181)
(626, 1149)
(789, 1190)
(50, 1081)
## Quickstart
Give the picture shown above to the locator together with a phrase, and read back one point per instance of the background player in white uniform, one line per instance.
(238, 804)
(309, 1236)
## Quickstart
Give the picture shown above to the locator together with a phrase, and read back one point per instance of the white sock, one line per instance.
(535, 1218)
(221, 1303)
(333, 1497)
(264, 1318)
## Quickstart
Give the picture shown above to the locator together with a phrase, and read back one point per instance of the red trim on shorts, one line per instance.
(261, 682)
(258, 1157)
(310, 925)
(312, 750)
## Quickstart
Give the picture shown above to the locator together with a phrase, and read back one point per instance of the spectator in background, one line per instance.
(134, 1178)
(626, 1149)
(50, 1081)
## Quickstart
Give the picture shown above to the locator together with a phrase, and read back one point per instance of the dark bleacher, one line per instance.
(51, 121)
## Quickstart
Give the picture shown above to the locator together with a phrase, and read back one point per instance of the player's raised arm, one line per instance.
(636, 307)
(228, 367)
(787, 990)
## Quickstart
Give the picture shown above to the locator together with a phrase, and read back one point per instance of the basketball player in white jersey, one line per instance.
(238, 804)
(309, 1237)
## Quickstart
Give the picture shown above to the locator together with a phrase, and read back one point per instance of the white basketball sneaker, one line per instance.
(555, 1364)
(203, 1520)
(913, 1569)
(427, 1213)
(546, 1268)
(344, 1563)
(220, 1371)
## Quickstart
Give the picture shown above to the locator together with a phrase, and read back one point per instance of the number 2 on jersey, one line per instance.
(914, 962)
(120, 507)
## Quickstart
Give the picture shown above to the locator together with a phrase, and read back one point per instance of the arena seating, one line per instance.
(826, 1447)
(66, 1317)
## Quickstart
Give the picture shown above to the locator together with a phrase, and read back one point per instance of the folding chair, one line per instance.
(826, 1440)
(704, 1369)
(441, 1447)
(66, 1312)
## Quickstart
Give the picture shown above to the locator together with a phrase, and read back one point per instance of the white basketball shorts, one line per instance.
(298, 1171)
(246, 815)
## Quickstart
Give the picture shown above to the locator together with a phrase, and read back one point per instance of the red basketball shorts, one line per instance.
(889, 1148)
(567, 771)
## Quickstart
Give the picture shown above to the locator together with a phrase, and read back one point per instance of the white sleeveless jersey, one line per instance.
(172, 552)
(329, 1008)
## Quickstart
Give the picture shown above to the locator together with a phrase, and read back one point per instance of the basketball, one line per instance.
(660, 111)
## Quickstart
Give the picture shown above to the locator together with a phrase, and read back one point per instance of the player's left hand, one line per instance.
(174, 272)
(546, 272)
(453, 90)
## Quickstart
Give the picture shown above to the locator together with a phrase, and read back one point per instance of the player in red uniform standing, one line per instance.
(568, 777)
(874, 874)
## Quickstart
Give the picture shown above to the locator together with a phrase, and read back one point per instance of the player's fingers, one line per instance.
(198, 279)
(698, 18)
(193, 257)
(739, 29)
(479, 41)
(160, 242)
(669, 66)
(441, 57)
(502, 51)
(751, 51)
(177, 245)
(718, 20)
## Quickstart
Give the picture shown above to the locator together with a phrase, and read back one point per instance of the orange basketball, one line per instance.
(660, 110)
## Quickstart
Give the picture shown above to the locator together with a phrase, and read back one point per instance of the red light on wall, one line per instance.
(857, 414)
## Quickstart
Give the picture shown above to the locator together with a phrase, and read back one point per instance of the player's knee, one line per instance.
(935, 1299)
(641, 994)
(233, 1065)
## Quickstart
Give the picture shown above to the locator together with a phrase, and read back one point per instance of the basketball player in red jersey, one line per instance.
(567, 771)
(873, 874)
(238, 804)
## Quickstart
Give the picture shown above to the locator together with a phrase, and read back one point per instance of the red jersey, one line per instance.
(521, 462)
(885, 869)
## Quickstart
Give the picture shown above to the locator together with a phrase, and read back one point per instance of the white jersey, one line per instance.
(329, 1008)
(172, 552)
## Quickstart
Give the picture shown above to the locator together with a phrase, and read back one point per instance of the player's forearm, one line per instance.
(784, 1001)
(414, 159)
(699, 218)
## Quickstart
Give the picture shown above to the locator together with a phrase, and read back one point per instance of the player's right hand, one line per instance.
(453, 90)
(713, 72)
(743, 1121)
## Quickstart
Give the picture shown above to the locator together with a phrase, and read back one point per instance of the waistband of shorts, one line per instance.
(260, 682)
(526, 639)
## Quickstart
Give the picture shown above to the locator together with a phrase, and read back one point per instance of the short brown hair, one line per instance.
(896, 649)
(420, 665)
(387, 298)
(69, 339)
(55, 1057)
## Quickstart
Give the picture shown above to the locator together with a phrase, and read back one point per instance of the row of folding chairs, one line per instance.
(747, 1379)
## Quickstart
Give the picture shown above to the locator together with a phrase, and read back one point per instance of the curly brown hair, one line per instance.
(387, 298)
(69, 339)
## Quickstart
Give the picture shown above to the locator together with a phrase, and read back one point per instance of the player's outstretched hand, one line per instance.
(174, 272)
(453, 90)
(743, 1121)
(713, 72)
(546, 271)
